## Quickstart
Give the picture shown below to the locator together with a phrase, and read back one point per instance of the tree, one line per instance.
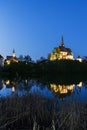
(21, 58)
(42, 59)
(27, 58)
(85, 57)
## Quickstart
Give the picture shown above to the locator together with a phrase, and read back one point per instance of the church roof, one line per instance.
(64, 49)
(11, 58)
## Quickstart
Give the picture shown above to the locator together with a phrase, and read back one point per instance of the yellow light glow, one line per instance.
(8, 82)
(8, 62)
(62, 89)
(79, 85)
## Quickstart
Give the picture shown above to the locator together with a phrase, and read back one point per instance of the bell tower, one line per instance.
(13, 53)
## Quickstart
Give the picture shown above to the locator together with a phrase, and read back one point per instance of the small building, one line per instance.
(61, 52)
(12, 58)
(79, 59)
(1, 61)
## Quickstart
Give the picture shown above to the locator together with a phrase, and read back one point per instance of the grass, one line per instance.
(35, 112)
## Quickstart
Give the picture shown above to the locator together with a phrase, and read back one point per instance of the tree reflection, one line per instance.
(1, 84)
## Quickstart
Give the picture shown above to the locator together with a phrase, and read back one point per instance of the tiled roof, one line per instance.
(11, 58)
(64, 49)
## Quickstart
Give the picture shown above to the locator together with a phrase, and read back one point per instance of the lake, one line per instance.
(61, 92)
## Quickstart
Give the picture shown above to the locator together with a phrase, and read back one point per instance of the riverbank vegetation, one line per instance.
(35, 112)
(45, 68)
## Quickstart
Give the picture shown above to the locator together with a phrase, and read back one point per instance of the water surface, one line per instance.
(60, 92)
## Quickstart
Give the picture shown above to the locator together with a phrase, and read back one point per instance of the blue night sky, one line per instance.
(35, 27)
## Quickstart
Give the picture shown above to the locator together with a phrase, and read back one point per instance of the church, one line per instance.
(61, 52)
(12, 58)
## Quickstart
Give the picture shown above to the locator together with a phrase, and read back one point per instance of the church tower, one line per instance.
(13, 54)
(62, 41)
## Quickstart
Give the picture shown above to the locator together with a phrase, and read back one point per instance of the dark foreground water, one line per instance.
(61, 92)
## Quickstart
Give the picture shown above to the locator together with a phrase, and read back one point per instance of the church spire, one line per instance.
(62, 41)
(13, 54)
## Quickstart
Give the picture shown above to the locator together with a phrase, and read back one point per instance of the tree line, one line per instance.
(45, 68)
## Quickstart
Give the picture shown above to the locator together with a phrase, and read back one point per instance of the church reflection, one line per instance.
(11, 84)
(79, 84)
(61, 91)
(13, 89)
(64, 90)
(18, 85)
(7, 82)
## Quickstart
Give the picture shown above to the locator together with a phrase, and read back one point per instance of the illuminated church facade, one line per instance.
(61, 52)
(12, 58)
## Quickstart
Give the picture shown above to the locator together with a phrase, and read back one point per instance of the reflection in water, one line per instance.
(24, 87)
(26, 81)
(13, 89)
(62, 90)
(19, 87)
(1, 84)
(7, 82)
(79, 85)
(11, 84)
